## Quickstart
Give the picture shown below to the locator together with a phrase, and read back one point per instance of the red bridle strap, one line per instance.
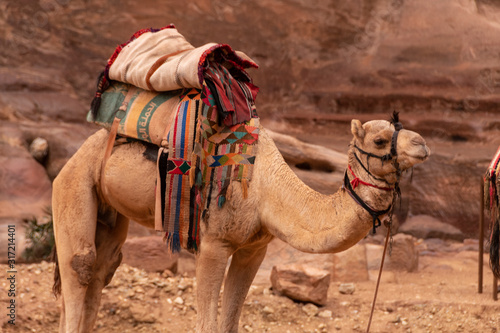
(356, 181)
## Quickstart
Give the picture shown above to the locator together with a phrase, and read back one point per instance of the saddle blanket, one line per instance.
(197, 105)
(162, 60)
(198, 157)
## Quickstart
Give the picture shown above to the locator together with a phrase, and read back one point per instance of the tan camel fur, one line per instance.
(89, 237)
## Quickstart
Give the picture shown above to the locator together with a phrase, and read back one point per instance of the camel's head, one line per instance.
(379, 143)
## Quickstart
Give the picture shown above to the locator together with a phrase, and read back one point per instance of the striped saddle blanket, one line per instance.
(197, 105)
(198, 157)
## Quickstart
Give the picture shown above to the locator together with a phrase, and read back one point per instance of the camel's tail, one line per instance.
(495, 248)
(56, 288)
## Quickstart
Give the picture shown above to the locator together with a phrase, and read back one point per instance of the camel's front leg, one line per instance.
(244, 265)
(211, 264)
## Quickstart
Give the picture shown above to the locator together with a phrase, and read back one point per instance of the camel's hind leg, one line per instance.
(75, 218)
(108, 242)
(88, 272)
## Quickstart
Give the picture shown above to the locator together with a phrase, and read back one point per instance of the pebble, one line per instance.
(267, 310)
(179, 300)
(347, 288)
(310, 309)
(248, 328)
(325, 314)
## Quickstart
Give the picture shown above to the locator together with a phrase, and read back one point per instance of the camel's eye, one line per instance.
(380, 142)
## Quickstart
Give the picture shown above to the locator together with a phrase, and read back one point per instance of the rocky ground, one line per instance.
(441, 296)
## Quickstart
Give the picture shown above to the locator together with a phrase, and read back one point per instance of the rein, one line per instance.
(375, 214)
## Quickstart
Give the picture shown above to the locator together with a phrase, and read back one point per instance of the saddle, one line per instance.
(197, 105)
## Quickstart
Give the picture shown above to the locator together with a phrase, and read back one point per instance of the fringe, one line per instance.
(173, 242)
(244, 188)
(229, 193)
(192, 171)
(495, 249)
(221, 201)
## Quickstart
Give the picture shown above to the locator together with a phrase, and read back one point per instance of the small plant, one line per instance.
(40, 238)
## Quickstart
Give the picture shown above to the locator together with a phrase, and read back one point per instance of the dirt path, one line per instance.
(441, 297)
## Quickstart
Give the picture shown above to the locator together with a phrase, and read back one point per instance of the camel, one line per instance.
(89, 235)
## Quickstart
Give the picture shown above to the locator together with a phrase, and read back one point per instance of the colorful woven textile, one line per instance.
(492, 185)
(204, 154)
(162, 60)
(180, 214)
(197, 104)
(146, 116)
(234, 98)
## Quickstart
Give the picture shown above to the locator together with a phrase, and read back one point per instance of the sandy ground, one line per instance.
(440, 297)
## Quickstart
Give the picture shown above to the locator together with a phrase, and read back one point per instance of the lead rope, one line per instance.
(388, 241)
(379, 275)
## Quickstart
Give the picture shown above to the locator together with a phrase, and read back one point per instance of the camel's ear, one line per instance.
(357, 130)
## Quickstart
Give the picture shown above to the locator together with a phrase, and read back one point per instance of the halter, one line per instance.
(392, 155)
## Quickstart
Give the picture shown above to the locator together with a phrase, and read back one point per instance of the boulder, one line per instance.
(350, 265)
(424, 226)
(149, 253)
(301, 282)
(404, 256)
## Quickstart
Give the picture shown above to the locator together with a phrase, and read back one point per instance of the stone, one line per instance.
(268, 310)
(149, 253)
(424, 226)
(39, 149)
(310, 309)
(350, 265)
(347, 288)
(325, 314)
(301, 282)
(404, 256)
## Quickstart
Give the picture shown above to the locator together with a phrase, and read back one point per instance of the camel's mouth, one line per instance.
(422, 156)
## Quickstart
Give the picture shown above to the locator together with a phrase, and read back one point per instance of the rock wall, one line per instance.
(322, 63)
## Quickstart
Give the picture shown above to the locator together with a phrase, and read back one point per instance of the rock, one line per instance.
(350, 265)
(424, 226)
(268, 310)
(149, 253)
(308, 156)
(25, 189)
(39, 149)
(404, 255)
(143, 314)
(347, 288)
(301, 282)
(310, 309)
(325, 314)
(179, 300)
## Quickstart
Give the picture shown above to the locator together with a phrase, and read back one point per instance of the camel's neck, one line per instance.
(306, 219)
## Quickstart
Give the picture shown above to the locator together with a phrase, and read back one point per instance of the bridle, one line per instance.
(396, 193)
(391, 156)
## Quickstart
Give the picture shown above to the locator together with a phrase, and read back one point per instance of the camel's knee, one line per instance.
(83, 264)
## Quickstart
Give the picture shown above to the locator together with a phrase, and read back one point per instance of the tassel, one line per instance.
(229, 193)
(244, 188)
(173, 242)
(221, 201)
(192, 171)
(199, 180)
